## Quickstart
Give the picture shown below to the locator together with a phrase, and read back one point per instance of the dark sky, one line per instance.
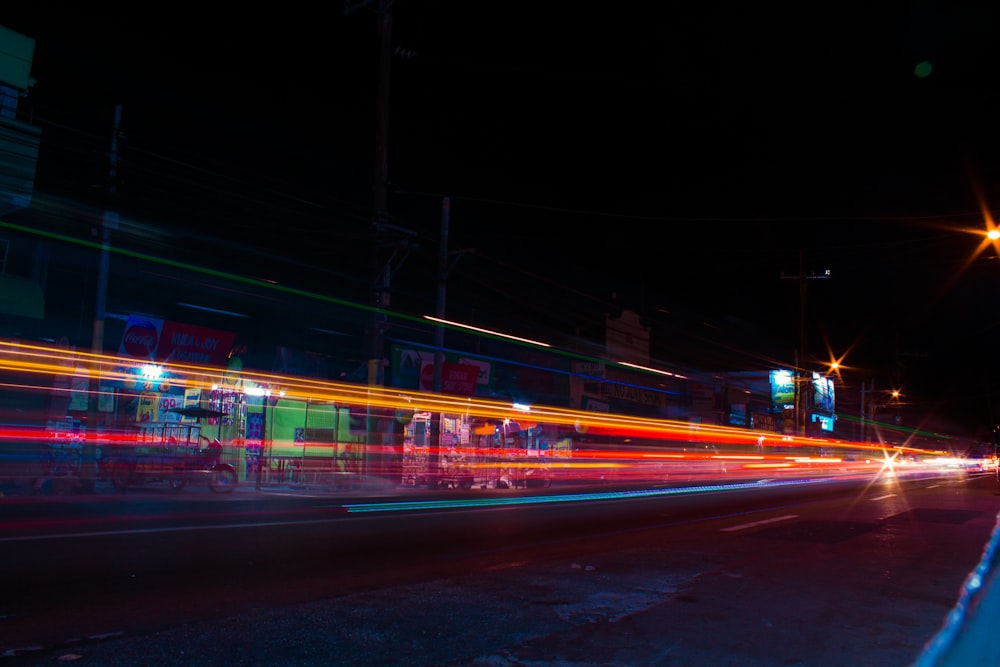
(676, 160)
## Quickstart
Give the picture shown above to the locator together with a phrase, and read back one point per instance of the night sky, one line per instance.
(677, 161)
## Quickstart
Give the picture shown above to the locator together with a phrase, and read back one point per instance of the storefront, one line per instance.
(477, 452)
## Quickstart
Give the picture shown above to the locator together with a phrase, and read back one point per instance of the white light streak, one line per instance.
(486, 331)
(652, 370)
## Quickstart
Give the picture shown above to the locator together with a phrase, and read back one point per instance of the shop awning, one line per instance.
(21, 297)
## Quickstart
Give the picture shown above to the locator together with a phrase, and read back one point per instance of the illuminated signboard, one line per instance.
(149, 339)
(823, 398)
(825, 423)
(783, 389)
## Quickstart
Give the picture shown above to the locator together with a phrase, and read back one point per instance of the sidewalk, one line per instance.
(372, 487)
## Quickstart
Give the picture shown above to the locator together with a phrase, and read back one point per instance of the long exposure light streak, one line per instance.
(602, 446)
(650, 370)
(489, 332)
(446, 503)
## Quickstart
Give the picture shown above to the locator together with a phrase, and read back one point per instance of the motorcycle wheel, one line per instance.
(222, 480)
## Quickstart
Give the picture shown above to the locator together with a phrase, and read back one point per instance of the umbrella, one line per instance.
(197, 412)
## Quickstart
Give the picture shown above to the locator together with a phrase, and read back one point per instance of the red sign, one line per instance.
(459, 379)
(193, 344)
(163, 341)
(140, 339)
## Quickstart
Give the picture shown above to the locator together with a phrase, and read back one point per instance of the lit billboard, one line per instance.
(823, 395)
(783, 389)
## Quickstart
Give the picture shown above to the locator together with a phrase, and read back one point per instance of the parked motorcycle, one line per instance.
(178, 467)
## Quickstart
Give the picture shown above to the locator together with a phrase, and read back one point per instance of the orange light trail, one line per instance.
(629, 447)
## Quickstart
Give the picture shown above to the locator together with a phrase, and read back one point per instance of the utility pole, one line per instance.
(800, 376)
(434, 455)
(380, 216)
(385, 248)
(444, 268)
(441, 289)
(109, 222)
(381, 284)
(382, 135)
(864, 412)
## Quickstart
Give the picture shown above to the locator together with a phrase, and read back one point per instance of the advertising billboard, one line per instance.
(154, 340)
(783, 389)
(823, 394)
(413, 368)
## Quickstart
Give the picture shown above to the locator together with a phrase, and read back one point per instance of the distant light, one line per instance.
(993, 234)
(523, 407)
(923, 69)
(486, 331)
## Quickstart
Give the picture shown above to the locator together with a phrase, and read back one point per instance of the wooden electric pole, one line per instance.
(109, 222)
(800, 375)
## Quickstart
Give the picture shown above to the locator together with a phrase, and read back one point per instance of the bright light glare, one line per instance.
(888, 462)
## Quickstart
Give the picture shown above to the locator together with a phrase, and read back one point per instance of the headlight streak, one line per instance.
(454, 503)
(46, 361)
(601, 446)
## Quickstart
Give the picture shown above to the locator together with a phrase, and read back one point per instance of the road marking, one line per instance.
(165, 529)
(888, 495)
(760, 523)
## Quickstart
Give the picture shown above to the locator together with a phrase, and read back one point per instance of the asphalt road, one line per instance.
(845, 574)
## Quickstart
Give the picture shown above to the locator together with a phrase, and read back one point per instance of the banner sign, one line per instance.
(148, 408)
(414, 369)
(153, 340)
(459, 379)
